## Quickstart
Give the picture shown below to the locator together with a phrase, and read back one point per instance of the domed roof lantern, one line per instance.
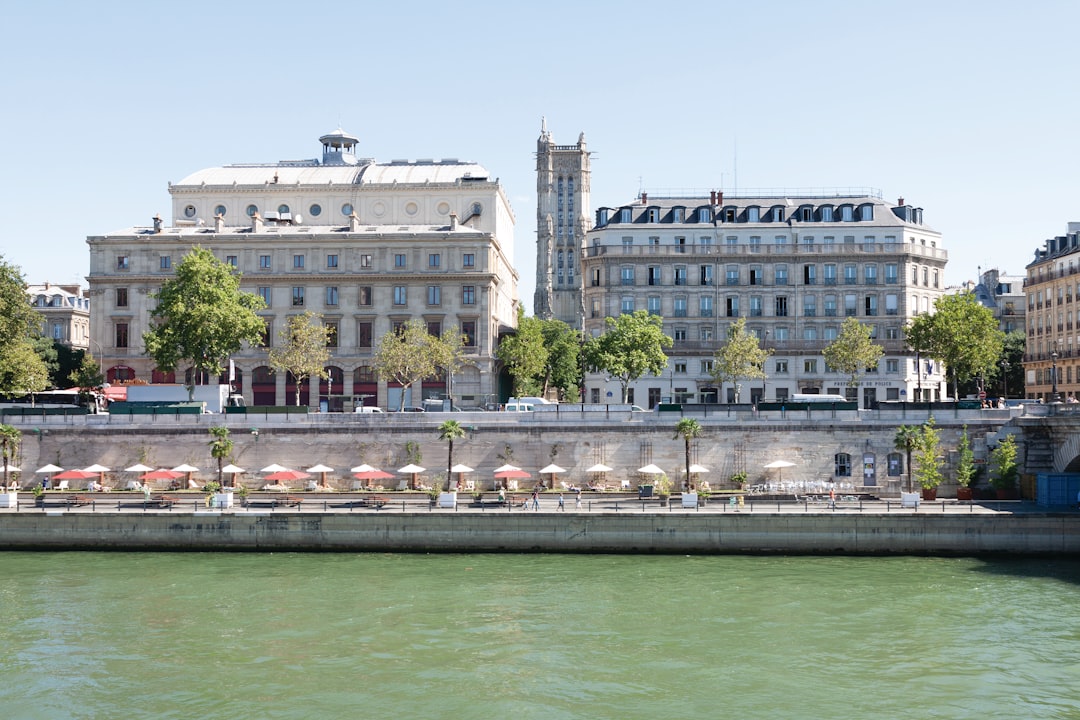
(339, 148)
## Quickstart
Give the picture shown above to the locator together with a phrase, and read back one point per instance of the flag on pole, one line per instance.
(232, 370)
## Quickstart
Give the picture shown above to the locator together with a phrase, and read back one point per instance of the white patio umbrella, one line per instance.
(364, 467)
(273, 468)
(232, 469)
(50, 468)
(11, 468)
(139, 468)
(411, 469)
(599, 467)
(100, 470)
(504, 468)
(187, 470)
(650, 469)
(552, 470)
(778, 466)
(461, 469)
(322, 470)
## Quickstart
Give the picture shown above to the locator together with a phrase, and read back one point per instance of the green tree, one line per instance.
(525, 355)
(22, 370)
(221, 447)
(46, 348)
(853, 351)
(740, 357)
(87, 377)
(1003, 464)
(907, 439)
(965, 465)
(450, 430)
(303, 349)
(9, 442)
(687, 429)
(631, 346)
(563, 367)
(202, 317)
(68, 360)
(411, 354)
(928, 459)
(961, 334)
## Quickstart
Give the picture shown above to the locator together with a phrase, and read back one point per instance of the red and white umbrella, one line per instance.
(288, 475)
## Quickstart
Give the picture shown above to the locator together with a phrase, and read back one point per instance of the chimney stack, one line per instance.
(900, 201)
(644, 198)
(256, 223)
(354, 222)
(720, 197)
(453, 221)
(219, 223)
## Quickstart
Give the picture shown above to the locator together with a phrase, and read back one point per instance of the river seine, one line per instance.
(154, 635)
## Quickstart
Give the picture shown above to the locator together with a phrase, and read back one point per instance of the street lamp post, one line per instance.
(1005, 379)
(1054, 396)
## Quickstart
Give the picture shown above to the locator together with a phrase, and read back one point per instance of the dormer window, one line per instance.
(778, 214)
(826, 213)
(602, 216)
(753, 214)
(729, 215)
(653, 215)
(806, 214)
(704, 215)
(866, 212)
(624, 215)
(677, 215)
(846, 213)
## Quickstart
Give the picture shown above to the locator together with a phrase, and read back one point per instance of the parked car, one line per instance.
(409, 408)
(368, 409)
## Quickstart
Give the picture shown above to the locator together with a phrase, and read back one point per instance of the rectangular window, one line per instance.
(892, 333)
(654, 274)
(892, 366)
(298, 297)
(626, 306)
(809, 306)
(830, 333)
(468, 295)
(755, 306)
(680, 367)
(809, 333)
(121, 335)
(331, 261)
(679, 334)
(809, 366)
(809, 274)
(705, 306)
(781, 367)
(654, 305)
(627, 245)
(731, 275)
(830, 274)
(363, 334)
(680, 307)
(165, 262)
(891, 275)
(434, 295)
(870, 305)
(434, 260)
(733, 306)
(850, 275)
(399, 260)
(705, 333)
(331, 334)
(264, 293)
(851, 305)
(782, 334)
(781, 306)
(298, 262)
(400, 295)
(264, 262)
(331, 296)
(830, 306)
(626, 275)
(231, 260)
(755, 275)
(705, 367)
(680, 274)
(267, 339)
(705, 274)
(781, 275)
(364, 296)
(121, 262)
(870, 274)
(121, 297)
(468, 260)
(891, 304)
(365, 261)
(468, 330)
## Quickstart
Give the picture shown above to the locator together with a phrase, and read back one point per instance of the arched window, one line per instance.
(842, 462)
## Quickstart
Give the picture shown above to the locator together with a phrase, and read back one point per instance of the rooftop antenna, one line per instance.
(640, 186)
(735, 164)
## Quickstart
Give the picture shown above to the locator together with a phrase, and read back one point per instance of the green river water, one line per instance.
(117, 635)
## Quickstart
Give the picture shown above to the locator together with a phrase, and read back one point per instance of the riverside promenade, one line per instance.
(407, 523)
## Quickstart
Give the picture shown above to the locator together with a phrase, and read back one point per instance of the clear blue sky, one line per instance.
(967, 109)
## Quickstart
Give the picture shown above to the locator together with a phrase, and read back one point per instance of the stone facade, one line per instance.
(65, 313)
(1053, 319)
(365, 245)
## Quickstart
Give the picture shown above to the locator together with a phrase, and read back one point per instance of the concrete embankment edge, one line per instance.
(1029, 534)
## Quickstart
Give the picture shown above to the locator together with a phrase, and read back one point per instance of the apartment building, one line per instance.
(1052, 290)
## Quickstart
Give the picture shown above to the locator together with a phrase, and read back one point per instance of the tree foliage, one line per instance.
(907, 439)
(525, 355)
(202, 316)
(302, 349)
(1004, 466)
(87, 377)
(687, 429)
(631, 346)
(928, 458)
(741, 357)
(22, 370)
(961, 334)
(965, 463)
(9, 442)
(563, 367)
(450, 430)
(853, 351)
(411, 354)
(221, 447)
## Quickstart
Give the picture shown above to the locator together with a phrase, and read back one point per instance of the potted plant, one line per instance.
(434, 492)
(663, 489)
(738, 479)
(1004, 468)
(928, 460)
(212, 490)
(242, 491)
(39, 496)
(965, 468)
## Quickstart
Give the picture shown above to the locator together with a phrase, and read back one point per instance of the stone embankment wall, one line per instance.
(390, 442)
(547, 532)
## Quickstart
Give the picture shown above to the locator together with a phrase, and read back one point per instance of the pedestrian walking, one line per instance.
(832, 499)
(562, 505)
(577, 499)
(536, 500)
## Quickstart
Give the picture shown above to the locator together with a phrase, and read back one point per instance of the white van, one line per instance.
(530, 401)
(368, 409)
(518, 407)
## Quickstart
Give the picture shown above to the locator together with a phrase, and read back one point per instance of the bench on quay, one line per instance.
(288, 500)
(77, 500)
(376, 501)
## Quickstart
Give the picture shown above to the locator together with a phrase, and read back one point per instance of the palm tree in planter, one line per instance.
(450, 431)
(907, 439)
(221, 447)
(9, 442)
(687, 429)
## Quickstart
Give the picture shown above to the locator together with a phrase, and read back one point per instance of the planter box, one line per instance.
(690, 500)
(447, 500)
(9, 499)
(222, 500)
(929, 494)
(909, 500)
